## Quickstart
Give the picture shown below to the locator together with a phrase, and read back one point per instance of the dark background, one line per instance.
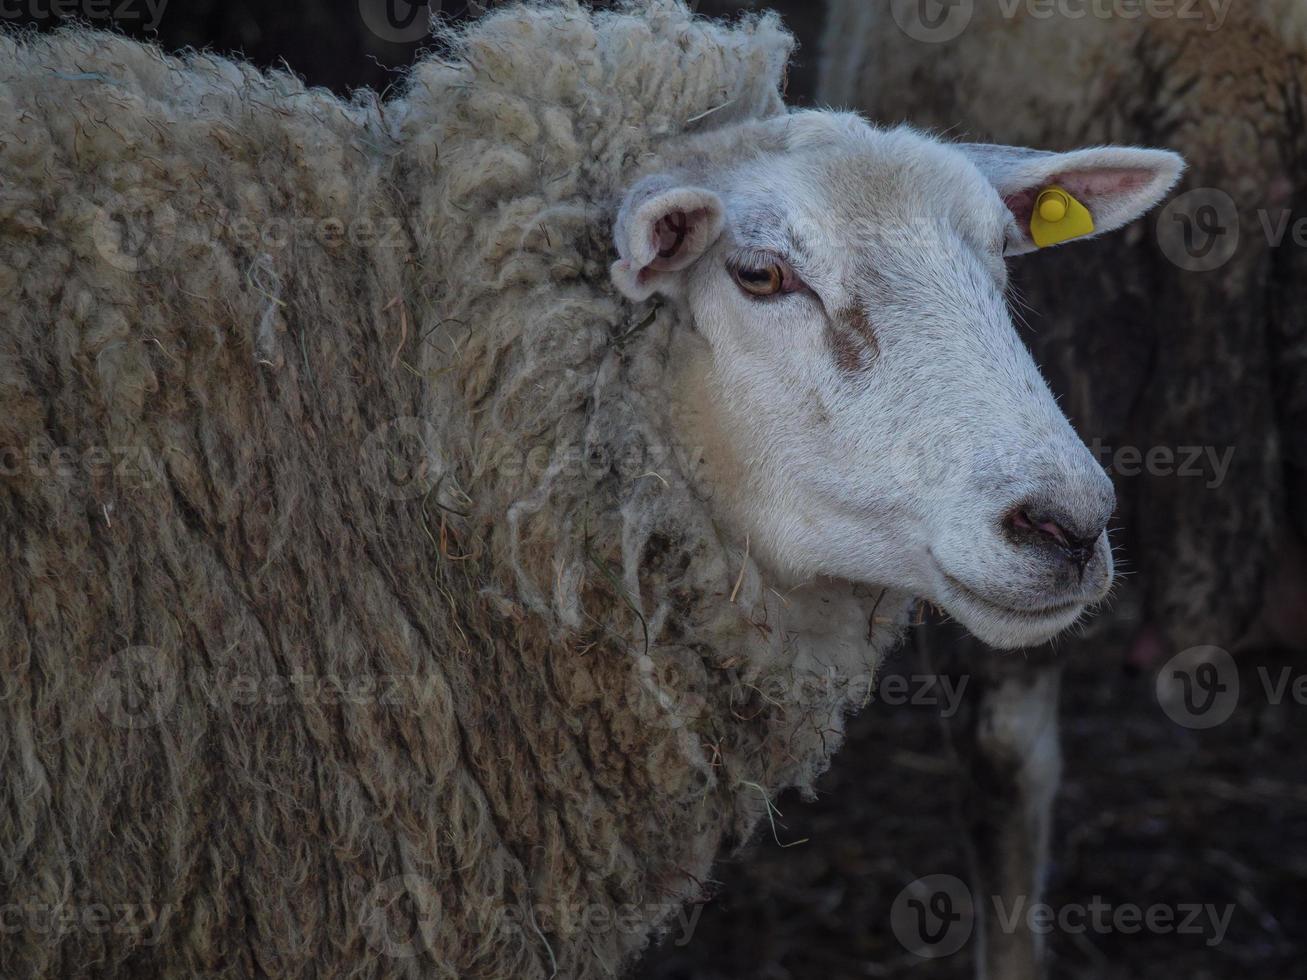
(329, 43)
(1149, 812)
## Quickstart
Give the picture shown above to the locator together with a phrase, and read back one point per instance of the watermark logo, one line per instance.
(399, 21)
(134, 232)
(933, 916)
(136, 688)
(1199, 688)
(665, 694)
(400, 916)
(400, 458)
(1199, 230)
(933, 21)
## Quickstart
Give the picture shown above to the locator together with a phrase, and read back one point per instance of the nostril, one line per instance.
(1055, 531)
(1021, 520)
(1030, 523)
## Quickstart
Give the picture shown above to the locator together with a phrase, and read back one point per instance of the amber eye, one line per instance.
(767, 281)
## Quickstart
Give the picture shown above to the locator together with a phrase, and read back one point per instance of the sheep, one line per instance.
(418, 563)
(1157, 350)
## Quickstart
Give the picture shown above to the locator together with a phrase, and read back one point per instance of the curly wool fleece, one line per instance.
(359, 618)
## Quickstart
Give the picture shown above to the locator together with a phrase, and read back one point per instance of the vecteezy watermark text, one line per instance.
(92, 918)
(934, 916)
(1101, 917)
(146, 12)
(941, 21)
(1184, 462)
(1200, 688)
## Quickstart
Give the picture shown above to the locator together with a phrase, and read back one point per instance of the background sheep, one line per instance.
(605, 709)
(1210, 357)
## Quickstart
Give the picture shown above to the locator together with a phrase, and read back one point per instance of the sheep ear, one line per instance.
(1116, 184)
(662, 230)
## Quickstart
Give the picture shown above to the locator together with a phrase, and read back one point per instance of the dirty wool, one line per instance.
(358, 617)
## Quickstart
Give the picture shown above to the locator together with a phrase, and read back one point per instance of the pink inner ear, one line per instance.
(1089, 187)
(673, 234)
(669, 233)
(1022, 206)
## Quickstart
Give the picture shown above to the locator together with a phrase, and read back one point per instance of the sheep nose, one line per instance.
(1037, 523)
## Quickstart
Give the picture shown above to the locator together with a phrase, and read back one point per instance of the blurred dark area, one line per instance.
(1148, 812)
(347, 44)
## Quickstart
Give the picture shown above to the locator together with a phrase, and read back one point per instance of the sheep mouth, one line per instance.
(1052, 611)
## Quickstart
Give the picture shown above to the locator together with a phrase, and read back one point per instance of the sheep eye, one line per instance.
(766, 281)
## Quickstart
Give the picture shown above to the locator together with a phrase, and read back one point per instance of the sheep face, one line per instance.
(863, 403)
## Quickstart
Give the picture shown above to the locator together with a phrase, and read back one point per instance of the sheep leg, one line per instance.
(1004, 740)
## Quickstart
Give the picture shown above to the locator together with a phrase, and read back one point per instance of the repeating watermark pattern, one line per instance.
(128, 465)
(667, 694)
(941, 21)
(147, 13)
(301, 687)
(139, 687)
(1205, 920)
(590, 919)
(400, 917)
(941, 691)
(399, 21)
(934, 916)
(139, 466)
(139, 232)
(1199, 229)
(135, 232)
(1199, 688)
(1284, 686)
(1208, 463)
(1280, 228)
(401, 459)
(664, 694)
(144, 922)
(933, 21)
(1211, 13)
(274, 233)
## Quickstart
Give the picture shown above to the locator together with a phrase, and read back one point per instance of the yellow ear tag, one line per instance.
(1058, 217)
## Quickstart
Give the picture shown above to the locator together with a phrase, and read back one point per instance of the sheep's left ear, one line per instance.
(662, 229)
(1115, 183)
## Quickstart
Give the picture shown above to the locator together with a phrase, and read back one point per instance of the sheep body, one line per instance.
(360, 618)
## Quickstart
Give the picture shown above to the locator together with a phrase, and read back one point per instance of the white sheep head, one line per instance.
(865, 408)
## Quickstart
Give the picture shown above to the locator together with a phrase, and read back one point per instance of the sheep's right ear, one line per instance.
(1116, 184)
(662, 230)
